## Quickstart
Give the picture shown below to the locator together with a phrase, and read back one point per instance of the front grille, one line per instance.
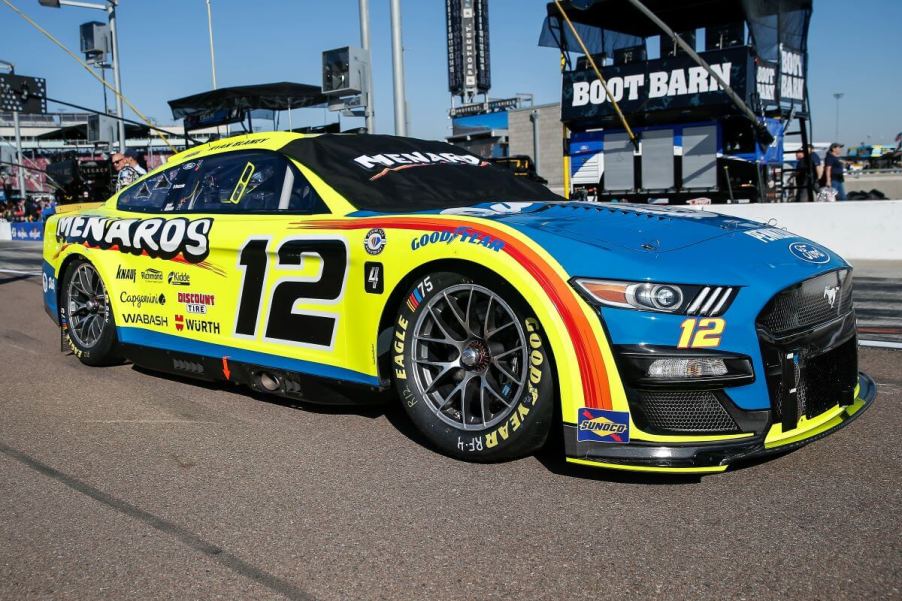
(808, 304)
(809, 348)
(830, 378)
(675, 412)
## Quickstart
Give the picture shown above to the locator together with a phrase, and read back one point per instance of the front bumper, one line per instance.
(717, 456)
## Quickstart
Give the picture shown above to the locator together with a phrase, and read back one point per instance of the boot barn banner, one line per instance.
(789, 87)
(675, 82)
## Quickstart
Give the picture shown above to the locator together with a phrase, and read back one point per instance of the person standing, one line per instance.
(128, 168)
(834, 171)
(807, 173)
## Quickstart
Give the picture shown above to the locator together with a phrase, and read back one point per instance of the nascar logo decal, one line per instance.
(601, 425)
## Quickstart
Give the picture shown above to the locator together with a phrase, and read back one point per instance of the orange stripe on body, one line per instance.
(596, 389)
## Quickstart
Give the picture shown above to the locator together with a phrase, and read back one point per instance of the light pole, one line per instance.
(20, 173)
(397, 60)
(110, 8)
(212, 55)
(365, 45)
(837, 95)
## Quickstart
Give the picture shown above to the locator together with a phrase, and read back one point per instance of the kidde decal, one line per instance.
(156, 237)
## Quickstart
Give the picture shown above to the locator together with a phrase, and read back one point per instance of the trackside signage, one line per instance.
(670, 83)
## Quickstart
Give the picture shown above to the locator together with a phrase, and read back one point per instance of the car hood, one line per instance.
(672, 244)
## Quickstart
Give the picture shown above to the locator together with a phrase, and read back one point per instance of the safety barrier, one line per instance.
(863, 230)
(859, 230)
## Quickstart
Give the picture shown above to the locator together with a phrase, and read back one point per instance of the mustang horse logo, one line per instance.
(830, 294)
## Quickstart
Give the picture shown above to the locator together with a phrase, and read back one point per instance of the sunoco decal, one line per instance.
(156, 237)
(601, 425)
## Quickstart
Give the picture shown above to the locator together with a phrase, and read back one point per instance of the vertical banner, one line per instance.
(469, 71)
(792, 75)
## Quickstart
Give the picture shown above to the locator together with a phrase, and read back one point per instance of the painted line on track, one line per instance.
(880, 344)
(20, 272)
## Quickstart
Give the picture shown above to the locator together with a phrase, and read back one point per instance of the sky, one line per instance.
(855, 49)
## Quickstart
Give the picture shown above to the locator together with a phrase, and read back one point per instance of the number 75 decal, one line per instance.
(284, 323)
(701, 333)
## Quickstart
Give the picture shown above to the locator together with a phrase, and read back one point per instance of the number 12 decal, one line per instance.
(284, 323)
(701, 333)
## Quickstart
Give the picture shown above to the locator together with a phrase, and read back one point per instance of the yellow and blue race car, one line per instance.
(652, 339)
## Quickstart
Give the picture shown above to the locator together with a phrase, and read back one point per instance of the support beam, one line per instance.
(397, 60)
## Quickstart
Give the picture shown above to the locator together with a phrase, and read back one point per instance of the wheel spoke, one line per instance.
(496, 330)
(440, 326)
(95, 324)
(488, 313)
(509, 375)
(471, 396)
(482, 406)
(445, 370)
(506, 353)
(448, 341)
(84, 281)
(490, 388)
(461, 387)
(460, 319)
(467, 312)
(79, 311)
(83, 326)
(77, 286)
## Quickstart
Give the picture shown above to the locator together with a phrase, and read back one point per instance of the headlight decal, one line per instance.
(679, 299)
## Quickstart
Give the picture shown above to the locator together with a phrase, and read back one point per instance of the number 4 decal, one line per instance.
(285, 324)
(701, 333)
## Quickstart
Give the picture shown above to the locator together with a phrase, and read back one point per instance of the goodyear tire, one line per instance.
(472, 369)
(86, 317)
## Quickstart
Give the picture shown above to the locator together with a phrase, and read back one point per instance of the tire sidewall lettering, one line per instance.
(530, 409)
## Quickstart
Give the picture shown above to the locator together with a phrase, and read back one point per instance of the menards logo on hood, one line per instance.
(391, 160)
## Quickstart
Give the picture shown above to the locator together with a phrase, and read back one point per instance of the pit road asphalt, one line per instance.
(121, 484)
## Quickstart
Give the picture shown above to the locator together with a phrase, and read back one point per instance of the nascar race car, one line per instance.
(650, 338)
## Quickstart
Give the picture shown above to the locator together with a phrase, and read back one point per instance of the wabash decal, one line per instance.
(596, 389)
(156, 237)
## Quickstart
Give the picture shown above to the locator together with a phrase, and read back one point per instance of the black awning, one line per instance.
(279, 96)
(79, 133)
(681, 15)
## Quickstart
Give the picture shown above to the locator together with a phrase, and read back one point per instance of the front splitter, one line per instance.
(708, 457)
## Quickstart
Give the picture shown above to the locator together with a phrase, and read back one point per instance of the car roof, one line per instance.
(268, 140)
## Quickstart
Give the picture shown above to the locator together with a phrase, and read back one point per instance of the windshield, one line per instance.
(393, 174)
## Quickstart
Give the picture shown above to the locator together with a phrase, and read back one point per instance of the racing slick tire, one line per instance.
(472, 368)
(86, 317)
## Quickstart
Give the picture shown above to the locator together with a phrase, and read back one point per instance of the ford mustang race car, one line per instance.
(649, 338)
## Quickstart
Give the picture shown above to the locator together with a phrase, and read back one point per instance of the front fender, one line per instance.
(586, 372)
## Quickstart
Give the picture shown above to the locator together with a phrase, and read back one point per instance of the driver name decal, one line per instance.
(155, 237)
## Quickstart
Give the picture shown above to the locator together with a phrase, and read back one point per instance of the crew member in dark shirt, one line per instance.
(834, 171)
